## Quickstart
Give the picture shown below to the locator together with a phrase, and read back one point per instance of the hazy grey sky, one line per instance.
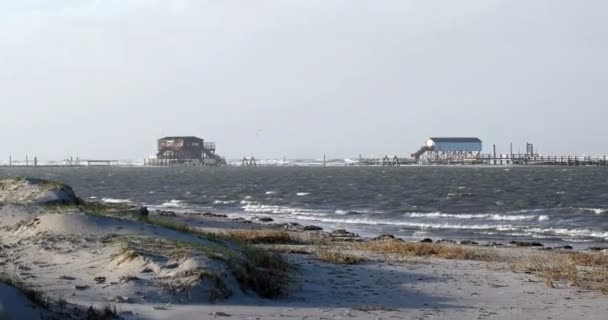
(106, 78)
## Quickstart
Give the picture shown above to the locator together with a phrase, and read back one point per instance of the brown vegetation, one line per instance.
(588, 259)
(336, 257)
(584, 270)
(445, 251)
(261, 236)
(263, 272)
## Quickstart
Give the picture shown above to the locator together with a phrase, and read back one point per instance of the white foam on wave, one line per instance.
(509, 229)
(574, 233)
(419, 225)
(597, 211)
(303, 194)
(270, 192)
(486, 216)
(224, 201)
(340, 217)
(173, 204)
(112, 200)
(260, 208)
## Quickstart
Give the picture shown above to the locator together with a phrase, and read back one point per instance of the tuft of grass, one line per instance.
(588, 259)
(126, 254)
(584, 270)
(603, 280)
(122, 211)
(107, 313)
(58, 309)
(265, 273)
(186, 280)
(176, 226)
(261, 236)
(37, 297)
(335, 257)
(445, 251)
(552, 269)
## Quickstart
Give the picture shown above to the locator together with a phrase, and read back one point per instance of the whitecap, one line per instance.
(173, 204)
(576, 233)
(302, 194)
(224, 201)
(288, 211)
(111, 200)
(597, 211)
(487, 216)
(402, 223)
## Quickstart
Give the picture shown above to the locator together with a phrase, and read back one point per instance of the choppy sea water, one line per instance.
(553, 205)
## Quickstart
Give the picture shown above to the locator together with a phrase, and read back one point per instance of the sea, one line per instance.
(550, 205)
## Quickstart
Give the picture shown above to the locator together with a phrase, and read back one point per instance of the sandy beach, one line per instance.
(61, 257)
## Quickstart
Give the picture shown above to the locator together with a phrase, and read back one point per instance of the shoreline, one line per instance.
(273, 222)
(140, 264)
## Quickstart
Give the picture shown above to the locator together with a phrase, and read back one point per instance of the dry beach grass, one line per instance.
(332, 255)
(584, 270)
(445, 251)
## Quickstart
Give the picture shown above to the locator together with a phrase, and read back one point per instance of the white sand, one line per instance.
(435, 289)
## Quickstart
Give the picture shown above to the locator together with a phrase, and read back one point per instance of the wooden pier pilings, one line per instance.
(491, 159)
(546, 160)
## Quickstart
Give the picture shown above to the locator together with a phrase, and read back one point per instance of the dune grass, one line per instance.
(261, 236)
(263, 272)
(588, 259)
(58, 308)
(445, 251)
(266, 273)
(37, 297)
(336, 257)
(578, 269)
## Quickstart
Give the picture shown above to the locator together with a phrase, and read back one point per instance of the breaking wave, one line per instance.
(173, 204)
(488, 216)
(224, 201)
(111, 200)
(523, 223)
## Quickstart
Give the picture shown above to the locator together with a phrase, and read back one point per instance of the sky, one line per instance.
(103, 79)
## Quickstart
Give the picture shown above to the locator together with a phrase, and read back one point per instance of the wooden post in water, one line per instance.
(324, 161)
(494, 154)
(10, 161)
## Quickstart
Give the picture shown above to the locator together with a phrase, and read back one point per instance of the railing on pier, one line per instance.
(527, 159)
